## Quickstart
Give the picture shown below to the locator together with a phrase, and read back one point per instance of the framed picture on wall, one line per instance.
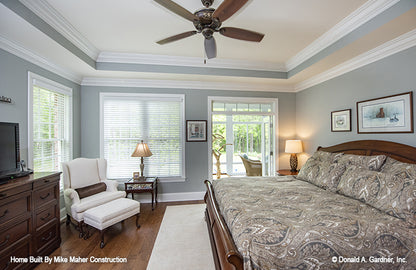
(390, 114)
(341, 120)
(196, 130)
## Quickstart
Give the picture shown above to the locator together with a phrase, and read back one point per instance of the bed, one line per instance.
(354, 208)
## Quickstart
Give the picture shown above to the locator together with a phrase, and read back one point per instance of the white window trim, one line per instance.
(181, 97)
(275, 103)
(35, 79)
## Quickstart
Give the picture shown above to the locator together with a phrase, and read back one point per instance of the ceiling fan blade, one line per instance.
(210, 47)
(228, 8)
(176, 37)
(177, 9)
(242, 34)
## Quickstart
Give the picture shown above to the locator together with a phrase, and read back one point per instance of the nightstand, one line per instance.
(147, 184)
(287, 172)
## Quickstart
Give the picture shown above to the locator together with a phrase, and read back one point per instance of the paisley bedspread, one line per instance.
(284, 223)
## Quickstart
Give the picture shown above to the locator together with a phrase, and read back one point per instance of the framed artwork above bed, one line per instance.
(390, 114)
(341, 120)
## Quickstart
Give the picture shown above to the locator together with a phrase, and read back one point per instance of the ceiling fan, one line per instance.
(208, 21)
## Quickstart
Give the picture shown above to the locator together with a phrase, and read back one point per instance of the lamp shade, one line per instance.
(142, 150)
(293, 146)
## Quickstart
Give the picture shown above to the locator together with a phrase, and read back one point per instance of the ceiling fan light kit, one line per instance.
(208, 20)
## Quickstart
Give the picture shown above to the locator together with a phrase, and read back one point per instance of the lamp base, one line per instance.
(141, 168)
(293, 163)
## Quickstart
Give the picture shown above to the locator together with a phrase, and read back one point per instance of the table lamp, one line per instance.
(293, 147)
(142, 150)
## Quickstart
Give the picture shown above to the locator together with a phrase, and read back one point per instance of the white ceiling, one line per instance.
(294, 31)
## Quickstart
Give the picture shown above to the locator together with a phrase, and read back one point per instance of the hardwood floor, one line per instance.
(122, 241)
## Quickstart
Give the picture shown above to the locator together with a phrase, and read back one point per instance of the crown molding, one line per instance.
(201, 85)
(391, 47)
(151, 59)
(363, 14)
(16, 49)
(51, 16)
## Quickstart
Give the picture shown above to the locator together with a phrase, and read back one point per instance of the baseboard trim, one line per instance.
(171, 197)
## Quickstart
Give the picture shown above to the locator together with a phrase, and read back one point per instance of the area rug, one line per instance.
(182, 241)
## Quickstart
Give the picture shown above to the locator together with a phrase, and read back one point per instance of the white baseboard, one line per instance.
(171, 197)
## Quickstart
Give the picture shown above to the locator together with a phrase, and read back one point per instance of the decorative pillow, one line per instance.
(372, 163)
(394, 194)
(91, 190)
(321, 170)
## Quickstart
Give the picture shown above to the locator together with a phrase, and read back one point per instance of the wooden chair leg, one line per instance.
(81, 230)
(137, 220)
(102, 244)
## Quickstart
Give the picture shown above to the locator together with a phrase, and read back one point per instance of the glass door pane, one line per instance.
(242, 129)
(219, 157)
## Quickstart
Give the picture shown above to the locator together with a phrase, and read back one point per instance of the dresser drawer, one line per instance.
(13, 191)
(46, 215)
(20, 252)
(47, 236)
(40, 183)
(45, 195)
(11, 235)
(15, 206)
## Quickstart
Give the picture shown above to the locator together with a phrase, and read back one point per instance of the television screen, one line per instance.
(9, 145)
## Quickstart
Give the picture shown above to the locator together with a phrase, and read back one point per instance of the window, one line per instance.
(158, 120)
(50, 124)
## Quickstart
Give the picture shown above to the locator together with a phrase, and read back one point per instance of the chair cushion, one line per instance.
(96, 200)
(91, 190)
(83, 172)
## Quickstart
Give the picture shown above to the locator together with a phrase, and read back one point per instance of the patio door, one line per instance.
(245, 128)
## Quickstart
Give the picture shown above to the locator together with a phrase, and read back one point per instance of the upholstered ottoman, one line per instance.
(105, 215)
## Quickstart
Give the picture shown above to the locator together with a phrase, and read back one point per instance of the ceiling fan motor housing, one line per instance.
(206, 21)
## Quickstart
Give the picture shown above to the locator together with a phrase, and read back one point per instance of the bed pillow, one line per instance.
(326, 156)
(372, 163)
(394, 194)
(322, 170)
(396, 167)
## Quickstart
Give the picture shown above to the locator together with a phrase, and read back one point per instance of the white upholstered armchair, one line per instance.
(86, 186)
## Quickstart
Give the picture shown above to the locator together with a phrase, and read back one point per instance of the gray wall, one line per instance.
(392, 75)
(14, 84)
(196, 102)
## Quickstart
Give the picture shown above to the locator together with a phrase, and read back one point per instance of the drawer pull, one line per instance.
(46, 196)
(43, 218)
(5, 241)
(4, 214)
(46, 181)
(47, 238)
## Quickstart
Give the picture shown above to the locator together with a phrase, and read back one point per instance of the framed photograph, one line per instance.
(341, 120)
(196, 130)
(136, 175)
(391, 114)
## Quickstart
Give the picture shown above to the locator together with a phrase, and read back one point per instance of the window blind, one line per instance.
(155, 119)
(51, 127)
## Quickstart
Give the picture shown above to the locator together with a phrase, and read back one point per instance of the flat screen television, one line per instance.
(9, 150)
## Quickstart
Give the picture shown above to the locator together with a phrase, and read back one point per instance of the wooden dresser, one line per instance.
(29, 218)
